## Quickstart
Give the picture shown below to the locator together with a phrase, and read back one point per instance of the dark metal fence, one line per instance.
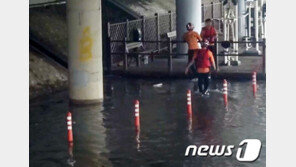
(155, 27)
(152, 28)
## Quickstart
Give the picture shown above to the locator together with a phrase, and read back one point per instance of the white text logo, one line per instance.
(248, 150)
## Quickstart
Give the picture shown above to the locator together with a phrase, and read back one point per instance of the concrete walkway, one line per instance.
(159, 69)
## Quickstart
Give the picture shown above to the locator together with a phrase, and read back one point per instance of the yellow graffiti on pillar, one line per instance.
(85, 47)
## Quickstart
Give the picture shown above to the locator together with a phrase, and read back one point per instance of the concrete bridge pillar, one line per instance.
(84, 20)
(187, 11)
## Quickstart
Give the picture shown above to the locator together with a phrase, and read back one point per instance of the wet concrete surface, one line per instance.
(105, 135)
(159, 69)
(45, 75)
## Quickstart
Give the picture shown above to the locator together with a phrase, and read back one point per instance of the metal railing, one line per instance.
(152, 28)
(168, 48)
(155, 27)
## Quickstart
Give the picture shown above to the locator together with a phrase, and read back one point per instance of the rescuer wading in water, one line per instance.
(203, 61)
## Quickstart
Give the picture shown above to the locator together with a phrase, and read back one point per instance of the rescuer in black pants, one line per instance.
(203, 60)
(203, 82)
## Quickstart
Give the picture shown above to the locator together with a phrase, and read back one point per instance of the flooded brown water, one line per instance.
(105, 135)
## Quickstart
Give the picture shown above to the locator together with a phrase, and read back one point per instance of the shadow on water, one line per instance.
(105, 135)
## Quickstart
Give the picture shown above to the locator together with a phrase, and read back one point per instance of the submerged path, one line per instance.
(105, 135)
(159, 68)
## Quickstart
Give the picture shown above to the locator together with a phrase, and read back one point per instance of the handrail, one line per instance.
(179, 41)
(44, 4)
(182, 54)
(170, 53)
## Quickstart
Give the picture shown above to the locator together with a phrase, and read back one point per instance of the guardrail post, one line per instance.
(138, 59)
(171, 21)
(157, 31)
(264, 56)
(170, 65)
(216, 55)
(222, 16)
(212, 9)
(222, 9)
(143, 28)
(108, 29)
(109, 56)
(249, 22)
(125, 55)
(127, 29)
(202, 12)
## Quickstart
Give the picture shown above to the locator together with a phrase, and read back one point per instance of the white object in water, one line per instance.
(158, 85)
(194, 79)
(146, 60)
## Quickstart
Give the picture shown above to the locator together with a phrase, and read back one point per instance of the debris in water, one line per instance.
(158, 85)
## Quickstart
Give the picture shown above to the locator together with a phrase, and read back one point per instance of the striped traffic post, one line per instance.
(225, 93)
(254, 83)
(69, 126)
(189, 104)
(137, 115)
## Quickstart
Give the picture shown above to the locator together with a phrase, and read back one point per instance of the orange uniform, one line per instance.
(212, 61)
(192, 38)
(208, 33)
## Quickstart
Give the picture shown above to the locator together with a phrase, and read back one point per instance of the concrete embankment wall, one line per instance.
(45, 75)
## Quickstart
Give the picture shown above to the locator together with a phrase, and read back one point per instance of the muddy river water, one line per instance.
(105, 135)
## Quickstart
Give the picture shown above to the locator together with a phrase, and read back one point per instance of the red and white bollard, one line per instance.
(254, 83)
(137, 114)
(69, 126)
(189, 106)
(225, 93)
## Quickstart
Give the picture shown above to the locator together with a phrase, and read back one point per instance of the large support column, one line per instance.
(241, 19)
(187, 11)
(225, 32)
(85, 51)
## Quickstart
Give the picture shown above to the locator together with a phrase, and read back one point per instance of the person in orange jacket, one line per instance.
(209, 33)
(203, 61)
(192, 38)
